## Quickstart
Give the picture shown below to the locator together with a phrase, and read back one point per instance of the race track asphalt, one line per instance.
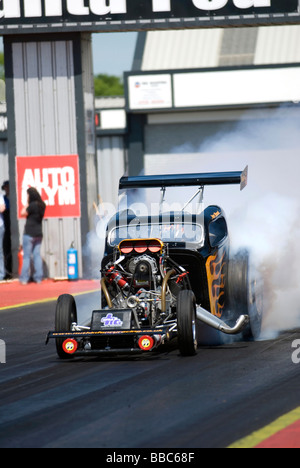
(159, 401)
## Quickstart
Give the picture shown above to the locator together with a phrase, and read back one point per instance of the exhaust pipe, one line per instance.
(214, 322)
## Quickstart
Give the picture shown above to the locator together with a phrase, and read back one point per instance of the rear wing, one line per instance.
(185, 180)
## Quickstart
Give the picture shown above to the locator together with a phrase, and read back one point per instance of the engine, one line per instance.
(144, 279)
(144, 269)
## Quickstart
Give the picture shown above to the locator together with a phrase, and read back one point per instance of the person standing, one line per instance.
(2, 230)
(7, 234)
(33, 236)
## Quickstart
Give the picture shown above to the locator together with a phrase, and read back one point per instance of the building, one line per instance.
(177, 128)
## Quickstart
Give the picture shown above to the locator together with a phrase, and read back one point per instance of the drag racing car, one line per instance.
(166, 277)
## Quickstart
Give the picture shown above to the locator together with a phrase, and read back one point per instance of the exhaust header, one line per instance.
(218, 324)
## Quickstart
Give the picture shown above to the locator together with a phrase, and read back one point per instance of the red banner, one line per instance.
(57, 180)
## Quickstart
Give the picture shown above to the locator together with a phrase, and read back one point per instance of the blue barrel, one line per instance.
(72, 256)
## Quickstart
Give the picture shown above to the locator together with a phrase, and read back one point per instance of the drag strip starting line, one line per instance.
(284, 432)
(43, 301)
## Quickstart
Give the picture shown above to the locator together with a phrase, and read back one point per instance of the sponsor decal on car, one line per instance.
(70, 346)
(111, 321)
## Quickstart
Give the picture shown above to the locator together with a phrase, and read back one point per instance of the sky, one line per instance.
(113, 52)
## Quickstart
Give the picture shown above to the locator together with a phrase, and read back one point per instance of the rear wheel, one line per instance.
(186, 323)
(246, 292)
(66, 314)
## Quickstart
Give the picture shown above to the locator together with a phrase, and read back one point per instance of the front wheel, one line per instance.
(66, 314)
(186, 323)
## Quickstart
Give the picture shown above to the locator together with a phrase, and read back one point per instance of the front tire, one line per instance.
(66, 314)
(186, 323)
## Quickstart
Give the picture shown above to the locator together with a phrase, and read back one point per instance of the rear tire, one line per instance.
(66, 314)
(246, 293)
(186, 323)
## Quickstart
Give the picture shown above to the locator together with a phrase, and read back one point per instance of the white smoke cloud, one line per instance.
(267, 220)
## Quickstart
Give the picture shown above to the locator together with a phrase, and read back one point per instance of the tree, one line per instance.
(106, 85)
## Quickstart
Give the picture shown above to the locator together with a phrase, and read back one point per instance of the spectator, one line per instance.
(7, 234)
(33, 237)
(2, 209)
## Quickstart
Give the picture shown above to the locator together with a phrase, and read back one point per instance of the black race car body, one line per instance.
(165, 277)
